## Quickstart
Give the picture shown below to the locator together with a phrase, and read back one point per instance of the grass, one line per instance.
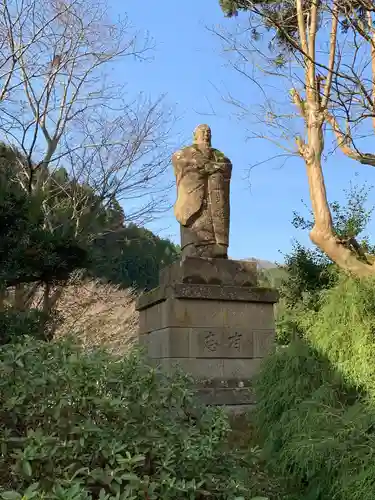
(316, 410)
(245, 435)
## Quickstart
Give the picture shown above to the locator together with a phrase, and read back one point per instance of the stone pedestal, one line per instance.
(209, 318)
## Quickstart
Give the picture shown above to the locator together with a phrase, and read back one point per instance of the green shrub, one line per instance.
(316, 411)
(344, 330)
(84, 425)
(308, 275)
(15, 324)
(287, 322)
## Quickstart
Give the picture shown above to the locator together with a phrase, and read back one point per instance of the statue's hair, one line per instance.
(201, 127)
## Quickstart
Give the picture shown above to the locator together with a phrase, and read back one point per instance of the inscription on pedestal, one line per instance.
(211, 341)
(208, 343)
(235, 340)
(221, 342)
(214, 340)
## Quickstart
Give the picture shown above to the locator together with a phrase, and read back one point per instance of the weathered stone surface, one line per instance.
(220, 343)
(241, 369)
(225, 396)
(207, 292)
(206, 369)
(152, 297)
(214, 342)
(224, 384)
(196, 270)
(227, 293)
(195, 313)
(202, 207)
(238, 415)
(218, 334)
(160, 315)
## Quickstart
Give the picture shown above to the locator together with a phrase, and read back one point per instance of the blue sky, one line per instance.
(190, 68)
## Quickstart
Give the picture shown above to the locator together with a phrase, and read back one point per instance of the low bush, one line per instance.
(15, 324)
(316, 412)
(85, 425)
(344, 330)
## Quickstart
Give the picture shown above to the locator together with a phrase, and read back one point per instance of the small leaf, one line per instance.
(11, 495)
(130, 477)
(31, 489)
(26, 468)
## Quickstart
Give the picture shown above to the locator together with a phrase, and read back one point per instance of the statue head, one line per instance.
(202, 135)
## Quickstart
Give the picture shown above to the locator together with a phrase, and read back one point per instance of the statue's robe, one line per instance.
(202, 206)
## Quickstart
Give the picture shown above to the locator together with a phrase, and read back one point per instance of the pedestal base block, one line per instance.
(217, 333)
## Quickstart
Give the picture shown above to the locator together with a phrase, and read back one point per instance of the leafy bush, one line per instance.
(84, 425)
(29, 252)
(309, 272)
(14, 324)
(316, 409)
(344, 330)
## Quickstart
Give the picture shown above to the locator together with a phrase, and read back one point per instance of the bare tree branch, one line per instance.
(331, 82)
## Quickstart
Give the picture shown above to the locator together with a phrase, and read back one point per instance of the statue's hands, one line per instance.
(213, 168)
(217, 166)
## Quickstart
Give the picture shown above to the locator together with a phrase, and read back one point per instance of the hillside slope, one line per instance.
(99, 315)
(270, 273)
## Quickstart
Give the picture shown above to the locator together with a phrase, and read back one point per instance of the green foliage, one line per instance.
(274, 13)
(280, 17)
(44, 236)
(15, 324)
(316, 398)
(316, 393)
(347, 318)
(77, 425)
(231, 7)
(308, 272)
(349, 220)
(131, 256)
(30, 252)
(287, 322)
(272, 277)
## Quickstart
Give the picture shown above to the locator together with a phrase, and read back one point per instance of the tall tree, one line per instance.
(60, 105)
(323, 53)
(81, 144)
(30, 254)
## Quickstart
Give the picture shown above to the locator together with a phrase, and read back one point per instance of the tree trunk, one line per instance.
(322, 233)
(46, 302)
(3, 295)
(19, 292)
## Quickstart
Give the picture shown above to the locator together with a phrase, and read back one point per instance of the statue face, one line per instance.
(202, 134)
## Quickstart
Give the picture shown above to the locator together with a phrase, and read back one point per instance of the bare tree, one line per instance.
(62, 110)
(322, 54)
(127, 151)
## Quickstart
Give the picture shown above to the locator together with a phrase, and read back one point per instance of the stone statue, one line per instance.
(202, 207)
